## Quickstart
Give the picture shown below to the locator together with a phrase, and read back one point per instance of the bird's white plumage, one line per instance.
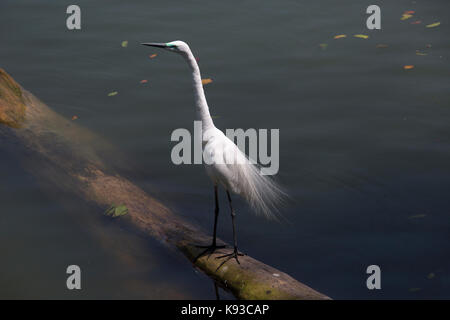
(226, 164)
(229, 167)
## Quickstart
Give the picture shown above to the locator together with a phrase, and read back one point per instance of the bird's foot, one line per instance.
(208, 250)
(235, 254)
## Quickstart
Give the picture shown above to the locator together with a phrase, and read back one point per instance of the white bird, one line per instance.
(228, 166)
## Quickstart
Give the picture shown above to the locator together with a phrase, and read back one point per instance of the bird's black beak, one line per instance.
(155, 44)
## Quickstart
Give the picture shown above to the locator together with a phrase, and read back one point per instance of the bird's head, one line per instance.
(174, 46)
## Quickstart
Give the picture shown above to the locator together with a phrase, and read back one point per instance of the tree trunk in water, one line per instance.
(69, 157)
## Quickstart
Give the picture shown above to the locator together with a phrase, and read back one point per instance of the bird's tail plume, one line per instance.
(263, 194)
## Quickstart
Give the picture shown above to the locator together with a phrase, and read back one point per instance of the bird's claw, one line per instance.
(208, 249)
(235, 254)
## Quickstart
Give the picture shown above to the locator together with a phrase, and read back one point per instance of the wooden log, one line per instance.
(73, 159)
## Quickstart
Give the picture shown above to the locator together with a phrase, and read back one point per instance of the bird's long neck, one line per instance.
(201, 105)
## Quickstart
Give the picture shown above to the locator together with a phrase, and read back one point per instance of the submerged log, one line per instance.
(71, 158)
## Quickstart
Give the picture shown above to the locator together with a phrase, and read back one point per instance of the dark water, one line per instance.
(364, 144)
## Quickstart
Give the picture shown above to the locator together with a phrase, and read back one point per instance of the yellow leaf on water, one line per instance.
(323, 46)
(408, 67)
(406, 16)
(111, 94)
(361, 36)
(116, 211)
(206, 81)
(431, 275)
(124, 44)
(340, 36)
(421, 53)
(433, 25)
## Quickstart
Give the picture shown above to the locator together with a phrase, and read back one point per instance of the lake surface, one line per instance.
(364, 144)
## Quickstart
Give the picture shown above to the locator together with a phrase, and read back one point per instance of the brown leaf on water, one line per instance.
(417, 216)
(206, 81)
(408, 67)
(144, 81)
(74, 118)
(417, 22)
(414, 289)
(409, 12)
(152, 56)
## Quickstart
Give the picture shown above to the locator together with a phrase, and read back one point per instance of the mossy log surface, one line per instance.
(72, 158)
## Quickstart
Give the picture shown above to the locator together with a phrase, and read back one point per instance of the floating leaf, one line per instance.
(431, 275)
(111, 94)
(340, 36)
(418, 216)
(421, 53)
(116, 211)
(361, 36)
(406, 16)
(433, 25)
(323, 46)
(74, 118)
(428, 46)
(409, 12)
(417, 22)
(152, 56)
(382, 45)
(124, 44)
(206, 81)
(408, 67)
(144, 81)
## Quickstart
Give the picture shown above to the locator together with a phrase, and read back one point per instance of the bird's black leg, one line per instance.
(216, 290)
(235, 253)
(216, 215)
(214, 245)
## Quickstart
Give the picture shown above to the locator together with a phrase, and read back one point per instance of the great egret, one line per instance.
(229, 168)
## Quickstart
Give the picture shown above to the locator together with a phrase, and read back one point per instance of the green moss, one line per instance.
(12, 104)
